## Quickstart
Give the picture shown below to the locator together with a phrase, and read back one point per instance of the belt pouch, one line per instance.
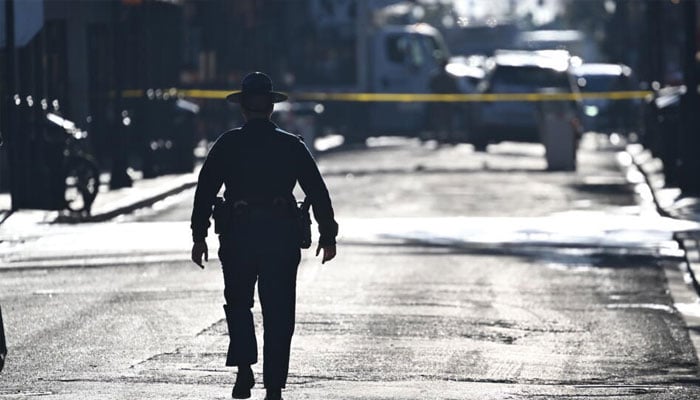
(222, 216)
(304, 222)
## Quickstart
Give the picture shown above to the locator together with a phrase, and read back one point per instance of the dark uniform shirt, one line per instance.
(261, 161)
(442, 82)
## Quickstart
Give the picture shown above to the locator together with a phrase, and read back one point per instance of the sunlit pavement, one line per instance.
(460, 275)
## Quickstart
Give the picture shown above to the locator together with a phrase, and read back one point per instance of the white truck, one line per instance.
(388, 59)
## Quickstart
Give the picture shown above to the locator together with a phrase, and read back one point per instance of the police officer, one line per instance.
(442, 114)
(260, 164)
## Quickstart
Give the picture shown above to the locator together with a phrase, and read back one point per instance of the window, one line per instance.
(397, 48)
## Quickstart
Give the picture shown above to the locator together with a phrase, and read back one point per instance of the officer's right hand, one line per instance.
(200, 249)
(329, 252)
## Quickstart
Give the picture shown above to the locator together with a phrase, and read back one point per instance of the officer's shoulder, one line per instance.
(289, 136)
(229, 134)
(224, 139)
(232, 132)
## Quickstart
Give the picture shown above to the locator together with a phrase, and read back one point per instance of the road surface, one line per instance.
(460, 275)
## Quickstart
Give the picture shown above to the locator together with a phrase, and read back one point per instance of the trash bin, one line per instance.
(558, 134)
(183, 136)
(39, 171)
(663, 130)
(166, 130)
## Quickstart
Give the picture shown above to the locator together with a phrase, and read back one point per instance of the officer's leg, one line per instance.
(239, 288)
(277, 292)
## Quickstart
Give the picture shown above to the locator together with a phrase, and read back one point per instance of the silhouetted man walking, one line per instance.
(442, 114)
(259, 231)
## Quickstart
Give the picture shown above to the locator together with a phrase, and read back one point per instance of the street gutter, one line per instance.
(689, 241)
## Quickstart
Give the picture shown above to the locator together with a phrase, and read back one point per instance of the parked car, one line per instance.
(520, 72)
(468, 75)
(601, 114)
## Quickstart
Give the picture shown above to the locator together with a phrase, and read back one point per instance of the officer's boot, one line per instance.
(273, 394)
(244, 378)
(244, 382)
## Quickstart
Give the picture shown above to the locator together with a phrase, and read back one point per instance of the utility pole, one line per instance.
(119, 177)
(361, 49)
(362, 83)
(9, 114)
(690, 134)
(655, 68)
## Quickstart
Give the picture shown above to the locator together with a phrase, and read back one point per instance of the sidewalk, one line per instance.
(143, 193)
(108, 203)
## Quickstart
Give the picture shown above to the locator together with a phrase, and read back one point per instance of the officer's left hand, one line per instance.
(328, 253)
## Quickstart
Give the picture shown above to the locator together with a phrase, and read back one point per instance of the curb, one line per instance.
(689, 241)
(107, 215)
(652, 170)
(4, 215)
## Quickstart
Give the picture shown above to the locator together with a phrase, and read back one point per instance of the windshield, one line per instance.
(601, 83)
(436, 49)
(529, 76)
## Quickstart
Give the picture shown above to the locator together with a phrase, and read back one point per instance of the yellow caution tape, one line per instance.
(133, 93)
(419, 97)
(205, 94)
(473, 97)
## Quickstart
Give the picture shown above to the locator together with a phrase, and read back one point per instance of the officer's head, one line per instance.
(256, 96)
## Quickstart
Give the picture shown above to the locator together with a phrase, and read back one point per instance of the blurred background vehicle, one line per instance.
(513, 72)
(396, 59)
(576, 42)
(300, 118)
(468, 72)
(602, 114)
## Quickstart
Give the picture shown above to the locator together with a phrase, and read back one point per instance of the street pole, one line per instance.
(656, 71)
(363, 84)
(9, 113)
(689, 162)
(3, 344)
(119, 178)
(361, 50)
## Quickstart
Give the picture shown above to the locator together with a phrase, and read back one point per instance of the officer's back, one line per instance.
(260, 161)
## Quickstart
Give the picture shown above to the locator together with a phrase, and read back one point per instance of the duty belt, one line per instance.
(274, 202)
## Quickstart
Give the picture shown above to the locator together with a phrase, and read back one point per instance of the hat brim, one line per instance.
(276, 97)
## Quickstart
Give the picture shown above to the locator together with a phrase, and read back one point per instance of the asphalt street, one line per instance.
(460, 275)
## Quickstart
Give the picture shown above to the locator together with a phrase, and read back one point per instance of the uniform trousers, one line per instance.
(262, 246)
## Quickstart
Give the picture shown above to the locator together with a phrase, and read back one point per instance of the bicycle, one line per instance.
(80, 171)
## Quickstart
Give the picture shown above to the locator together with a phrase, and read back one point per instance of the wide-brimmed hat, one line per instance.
(256, 83)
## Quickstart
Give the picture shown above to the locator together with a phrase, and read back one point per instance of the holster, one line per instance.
(223, 216)
(304, 222)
